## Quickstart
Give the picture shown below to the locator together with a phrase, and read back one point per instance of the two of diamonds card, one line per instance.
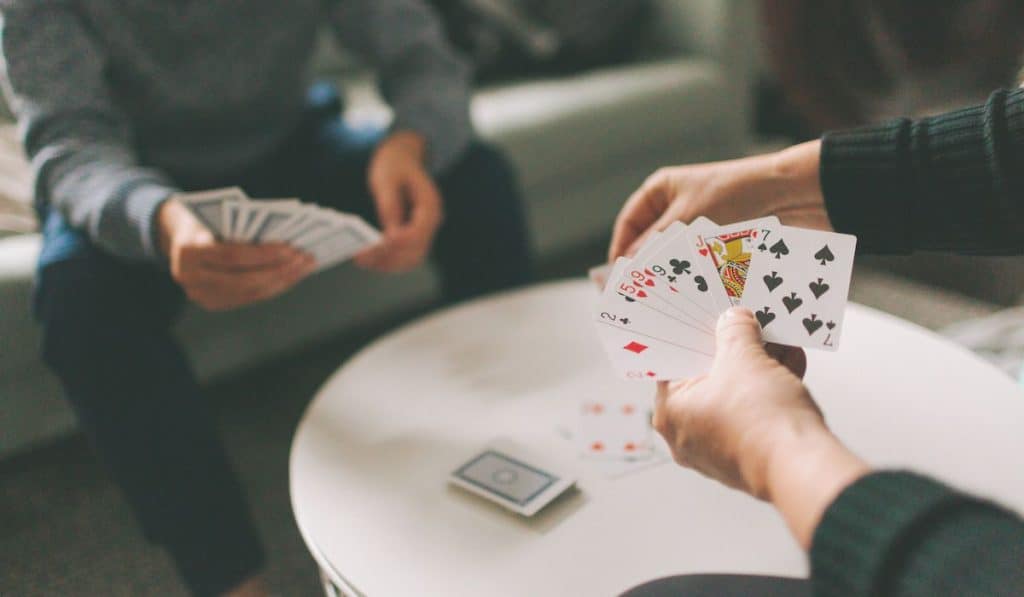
(657, 313)
(331, 237)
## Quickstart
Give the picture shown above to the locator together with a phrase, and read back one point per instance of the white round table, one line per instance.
(371, 456)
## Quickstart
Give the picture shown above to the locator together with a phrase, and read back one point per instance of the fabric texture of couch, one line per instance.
(581, 143)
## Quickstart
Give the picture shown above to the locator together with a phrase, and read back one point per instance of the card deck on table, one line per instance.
(330, 236)
(513, 476)
(657, 313)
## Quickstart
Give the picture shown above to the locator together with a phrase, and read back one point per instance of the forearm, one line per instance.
(952, 182)
(806, 470)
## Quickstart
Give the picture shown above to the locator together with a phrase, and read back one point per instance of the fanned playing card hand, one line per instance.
(658, 310)
(330, 236)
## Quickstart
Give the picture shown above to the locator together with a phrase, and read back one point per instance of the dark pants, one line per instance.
(722, 585)
(106, 325)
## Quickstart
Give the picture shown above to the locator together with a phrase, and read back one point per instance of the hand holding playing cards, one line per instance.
(751, 424)
(222, 276)
(408, 203)
(784, 184)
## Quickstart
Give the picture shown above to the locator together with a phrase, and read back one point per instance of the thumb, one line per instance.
(736, 334)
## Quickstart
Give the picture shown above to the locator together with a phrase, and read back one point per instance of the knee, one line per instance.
(87, 314)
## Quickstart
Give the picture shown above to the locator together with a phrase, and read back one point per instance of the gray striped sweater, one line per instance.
(116, 97)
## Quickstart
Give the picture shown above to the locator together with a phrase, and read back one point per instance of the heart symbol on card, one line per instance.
(702, 284)
(812, 324)
(819, 288)
(648, 282)
(773, 281)
(764, 317)
(641, 294)
(792, 302)
(703, 252)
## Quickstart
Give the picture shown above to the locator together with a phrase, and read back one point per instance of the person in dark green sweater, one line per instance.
(953, 182)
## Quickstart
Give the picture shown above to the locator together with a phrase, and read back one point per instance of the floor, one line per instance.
(64, 529)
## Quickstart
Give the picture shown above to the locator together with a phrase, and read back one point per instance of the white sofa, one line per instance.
(582, 143)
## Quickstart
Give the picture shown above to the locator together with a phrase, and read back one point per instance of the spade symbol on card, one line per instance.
(702, 284)
(812, 324)
(819, 288)
(679, 266)
(764, 317)
(792, 302)
(779, 249)
(773, 281)
(628, 299)
(762, 247)
(824, 255)
(831, 325)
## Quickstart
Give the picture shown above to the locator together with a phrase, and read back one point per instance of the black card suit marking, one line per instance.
(625, 321)
(792, 302)
(672, 279)
(819, 288)
(702, 284)
(779, 249)
(629, 299)
(824, 255)
(762, 247)
(773, 281)
(764, 317)
(680, 266)
(812, 324)
(831, 325)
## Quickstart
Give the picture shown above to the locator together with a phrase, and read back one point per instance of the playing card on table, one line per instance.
(798, 288)
(729, 250)
(615, 429)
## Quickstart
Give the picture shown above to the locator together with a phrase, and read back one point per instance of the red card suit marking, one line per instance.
(630, 447)
(635, 347)
(597, 446)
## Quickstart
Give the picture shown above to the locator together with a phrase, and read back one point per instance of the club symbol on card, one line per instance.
(792, 302)
(812, 324)
(702, 284)
(635, 347)
(773, 281)
(819, 288)
(831, 325)
(779, 249)
(765, 316)
(624, 321)
(680, 266)
(824, 255)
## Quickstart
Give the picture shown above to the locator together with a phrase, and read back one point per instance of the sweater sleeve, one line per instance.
(79, 143)
(953, 182)
(421, 76)
(902, 535)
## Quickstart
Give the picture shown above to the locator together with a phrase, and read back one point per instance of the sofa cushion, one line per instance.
(16, 215)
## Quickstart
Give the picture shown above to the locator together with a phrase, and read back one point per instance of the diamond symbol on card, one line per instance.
(635, 347)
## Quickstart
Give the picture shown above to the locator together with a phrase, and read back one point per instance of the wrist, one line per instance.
(168, 216)
(410, 143)
(796, 170)
(805, 473)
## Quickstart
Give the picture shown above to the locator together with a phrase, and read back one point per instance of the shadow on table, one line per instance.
(722, 585)
(559, 510)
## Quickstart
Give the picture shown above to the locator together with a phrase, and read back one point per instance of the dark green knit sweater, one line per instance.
(956, 183)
